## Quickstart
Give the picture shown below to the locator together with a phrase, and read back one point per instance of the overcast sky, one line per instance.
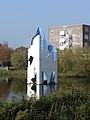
(19, 19)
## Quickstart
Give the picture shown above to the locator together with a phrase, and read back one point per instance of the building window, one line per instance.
(78, 28)
(86, 44)
(78, 36)
(62, 33)
(52, 31)
(86, 29)
(86, 37)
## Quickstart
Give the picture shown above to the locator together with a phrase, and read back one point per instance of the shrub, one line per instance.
(19, 60)
(71, 106)
(75, 61)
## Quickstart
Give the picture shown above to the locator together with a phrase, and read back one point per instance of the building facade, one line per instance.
(69, 36)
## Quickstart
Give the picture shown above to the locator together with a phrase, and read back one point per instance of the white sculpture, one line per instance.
(37, 91)
(42, 61)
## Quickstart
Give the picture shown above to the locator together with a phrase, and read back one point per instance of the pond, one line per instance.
(12, 88)
(17, 87)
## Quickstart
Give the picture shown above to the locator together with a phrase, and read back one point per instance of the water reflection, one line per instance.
(17, 87)
(34, 90)
(12, 88)
(4, 87)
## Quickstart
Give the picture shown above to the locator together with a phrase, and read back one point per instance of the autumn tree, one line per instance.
(5, 53)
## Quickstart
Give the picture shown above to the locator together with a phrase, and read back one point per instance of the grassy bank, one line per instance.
(72, 74)
(13, 73)
(71, 106)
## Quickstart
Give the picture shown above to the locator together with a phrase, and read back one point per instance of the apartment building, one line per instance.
(69, 36)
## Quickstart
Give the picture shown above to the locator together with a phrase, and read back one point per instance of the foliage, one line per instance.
(76, 60)
(65, 61)
(5, 53)
(72, 106)
(19, 60)
(13, 73)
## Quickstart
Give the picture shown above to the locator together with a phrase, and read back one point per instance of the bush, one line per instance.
(19, 60)
(75, 61)
(72, 106)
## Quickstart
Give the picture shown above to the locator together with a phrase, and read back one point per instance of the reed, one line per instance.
(13, 73)
(71, 106)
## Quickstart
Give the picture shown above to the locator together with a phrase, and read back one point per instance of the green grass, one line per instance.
(70, 74)
(13, 73)
(71, 106)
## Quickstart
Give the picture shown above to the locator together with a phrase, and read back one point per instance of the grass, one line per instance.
(70, 74)
(71, 106)
(13, 73)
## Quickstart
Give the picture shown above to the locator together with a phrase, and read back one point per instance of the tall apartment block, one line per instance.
(69, 36)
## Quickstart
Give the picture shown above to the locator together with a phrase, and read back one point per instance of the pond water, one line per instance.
(12, 88)
(17, 88)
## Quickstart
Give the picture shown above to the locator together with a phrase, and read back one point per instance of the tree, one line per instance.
(19, 60)
(5, 53)
(65, 60)
(76, 60)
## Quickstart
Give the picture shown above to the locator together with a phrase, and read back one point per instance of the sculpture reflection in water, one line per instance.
(42, 62)
(34, 90)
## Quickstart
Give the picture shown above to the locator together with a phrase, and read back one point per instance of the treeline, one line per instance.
(74, 62)
(71, 106)
(5, 53)
(71, 62)
(13, 58)
(19, 60)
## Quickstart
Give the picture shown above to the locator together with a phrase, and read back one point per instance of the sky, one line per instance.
(19, 19)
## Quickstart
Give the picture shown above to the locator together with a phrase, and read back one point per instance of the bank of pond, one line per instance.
(13, 73)
(71, 106)
(23, 74)
(71, 101)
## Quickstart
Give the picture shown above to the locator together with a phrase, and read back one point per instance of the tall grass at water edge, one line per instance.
(57, 106)
(13, 73)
